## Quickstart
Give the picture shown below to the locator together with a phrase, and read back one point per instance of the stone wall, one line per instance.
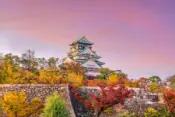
(141, 100)
(40, 91)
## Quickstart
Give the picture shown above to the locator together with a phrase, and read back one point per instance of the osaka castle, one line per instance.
(81, 52)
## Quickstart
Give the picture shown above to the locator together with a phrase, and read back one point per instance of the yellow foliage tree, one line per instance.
(15, 75)
(5, 71)
(154, 88)
(75, 79)
(112, 79)
(50, 77)
(22, 76)
(14, 104)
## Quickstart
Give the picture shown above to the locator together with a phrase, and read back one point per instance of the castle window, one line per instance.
(81, 47)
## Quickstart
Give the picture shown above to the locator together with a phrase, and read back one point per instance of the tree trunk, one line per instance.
(97, 113)
(16, 114)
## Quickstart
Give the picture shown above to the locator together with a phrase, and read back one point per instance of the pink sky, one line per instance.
(135, 36)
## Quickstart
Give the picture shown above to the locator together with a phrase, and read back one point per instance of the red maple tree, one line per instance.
(109, 96)
(169, 98)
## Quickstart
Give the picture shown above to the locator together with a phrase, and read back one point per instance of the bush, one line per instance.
(151, 112)
(127, 114)
(55, 107)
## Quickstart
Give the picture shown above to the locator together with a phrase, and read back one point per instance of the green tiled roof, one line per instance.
(91, 64)
(87, 51)
(100, 63)
(82, 40)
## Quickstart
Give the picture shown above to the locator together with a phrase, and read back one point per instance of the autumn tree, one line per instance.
(13, 60)
(154, 88)
(75, 79)
(143, 82)
(4, 72)
(72, 68)
(109, 96)
(112, 79)
(12, 73)
(69, 68)
(169, 98)
(14, 104)
(22, 76)
(9, 65)
(50, 76)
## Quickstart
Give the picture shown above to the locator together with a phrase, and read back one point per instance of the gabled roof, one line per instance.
(82, 40)
(87, 51)
(100, 63)
(91, 64)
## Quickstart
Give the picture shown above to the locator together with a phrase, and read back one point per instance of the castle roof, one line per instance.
(87, 51)
(100, 63)
(91, 64)
(82, 40)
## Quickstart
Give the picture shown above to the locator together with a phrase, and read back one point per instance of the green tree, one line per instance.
(42, 63)
(29, 62)
(121, 75)
(13, 60)
(154, 79)
(104, 73)
(55, 107)
(53, 63)
(171, 80)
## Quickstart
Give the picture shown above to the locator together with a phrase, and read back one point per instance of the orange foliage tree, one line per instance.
(143, 82)
(95, 83)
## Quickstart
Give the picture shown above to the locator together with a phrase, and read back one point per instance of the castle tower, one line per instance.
(81, 52)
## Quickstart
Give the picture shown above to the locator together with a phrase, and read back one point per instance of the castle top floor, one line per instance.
(81, 44)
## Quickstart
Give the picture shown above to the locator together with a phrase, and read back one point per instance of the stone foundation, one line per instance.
(141, 101)
(40, 91)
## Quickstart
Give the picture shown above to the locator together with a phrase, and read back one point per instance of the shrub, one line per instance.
(127, 114)
(151, 112)
(163, 112)
(55, 107)
(110, 111)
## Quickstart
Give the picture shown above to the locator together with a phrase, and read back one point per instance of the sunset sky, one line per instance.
(136, 36)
